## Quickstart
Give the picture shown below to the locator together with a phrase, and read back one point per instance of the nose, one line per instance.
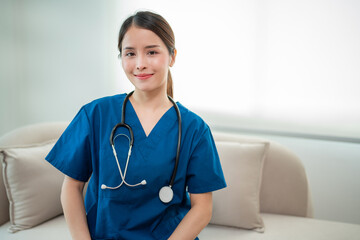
(141, 63)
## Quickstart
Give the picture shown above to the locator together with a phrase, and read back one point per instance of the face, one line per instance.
(145, 59)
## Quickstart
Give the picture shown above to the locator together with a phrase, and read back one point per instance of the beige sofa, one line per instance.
(267, 197)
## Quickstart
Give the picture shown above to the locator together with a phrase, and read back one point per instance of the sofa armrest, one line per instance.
(4, 202)
(284, 188)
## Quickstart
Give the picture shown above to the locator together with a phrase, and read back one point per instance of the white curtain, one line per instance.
(285, 66)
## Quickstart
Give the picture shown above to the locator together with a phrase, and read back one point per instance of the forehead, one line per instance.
(137, 37)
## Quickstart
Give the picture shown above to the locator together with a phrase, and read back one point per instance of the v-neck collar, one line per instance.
(161, 127)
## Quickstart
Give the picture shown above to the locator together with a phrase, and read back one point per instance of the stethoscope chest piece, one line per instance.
(166, 194)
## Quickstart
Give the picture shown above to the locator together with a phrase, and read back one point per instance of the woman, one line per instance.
(125, 197)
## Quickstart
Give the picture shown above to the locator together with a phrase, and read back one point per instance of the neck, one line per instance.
(150, 100)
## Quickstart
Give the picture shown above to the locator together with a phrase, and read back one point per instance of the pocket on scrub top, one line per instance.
(166, 227)
(124, 194)
(111, 219)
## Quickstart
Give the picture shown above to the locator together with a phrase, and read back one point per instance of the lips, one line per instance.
(143, 76)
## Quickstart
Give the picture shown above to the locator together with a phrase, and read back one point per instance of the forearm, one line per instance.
(194, 221)
(74, 210)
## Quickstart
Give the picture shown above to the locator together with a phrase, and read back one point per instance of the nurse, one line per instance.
(113, 209)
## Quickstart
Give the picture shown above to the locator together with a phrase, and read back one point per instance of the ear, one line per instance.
(172, 58)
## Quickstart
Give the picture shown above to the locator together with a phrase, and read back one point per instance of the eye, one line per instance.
(129, 54)
(152, 52)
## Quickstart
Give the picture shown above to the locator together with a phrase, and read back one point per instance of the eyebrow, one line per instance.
(149, 46)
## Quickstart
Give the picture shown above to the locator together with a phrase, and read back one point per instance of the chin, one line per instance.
(148, 88)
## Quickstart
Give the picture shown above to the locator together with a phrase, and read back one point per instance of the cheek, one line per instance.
(162, 63)
(126, 65)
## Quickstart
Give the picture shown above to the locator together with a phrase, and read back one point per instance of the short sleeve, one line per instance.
(204, 173)
(72, 152)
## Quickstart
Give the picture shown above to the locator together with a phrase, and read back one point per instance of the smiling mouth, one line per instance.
(143, 76)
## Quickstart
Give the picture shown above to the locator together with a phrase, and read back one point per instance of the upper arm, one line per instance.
(201, 199)
(71, 183)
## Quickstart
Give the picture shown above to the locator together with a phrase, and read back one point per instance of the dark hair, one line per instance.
(158, 25)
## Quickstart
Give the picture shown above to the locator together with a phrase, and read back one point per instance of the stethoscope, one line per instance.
(166, 193)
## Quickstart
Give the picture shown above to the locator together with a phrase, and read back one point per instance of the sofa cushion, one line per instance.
(54, 229)
(32, 185)
(26, 135)
(238, 205)
(286, 227)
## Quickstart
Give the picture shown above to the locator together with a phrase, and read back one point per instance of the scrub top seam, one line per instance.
(91, 141)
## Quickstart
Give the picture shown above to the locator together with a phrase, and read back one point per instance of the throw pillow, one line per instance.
(238, 205)
(32, 185)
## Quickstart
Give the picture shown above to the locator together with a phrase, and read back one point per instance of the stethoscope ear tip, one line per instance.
(143, 182)
(103, 186)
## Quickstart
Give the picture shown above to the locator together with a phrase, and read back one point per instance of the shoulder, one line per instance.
(104, 103)
(192, 121)
(190, 115)
(107, 100)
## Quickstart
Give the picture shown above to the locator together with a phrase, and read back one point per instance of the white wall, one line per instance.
(55, 57)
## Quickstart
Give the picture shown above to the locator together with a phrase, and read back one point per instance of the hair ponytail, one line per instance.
(170, 88)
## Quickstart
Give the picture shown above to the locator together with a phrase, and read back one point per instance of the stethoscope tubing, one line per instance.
(178, 144)
(166, 192)
(122, 123)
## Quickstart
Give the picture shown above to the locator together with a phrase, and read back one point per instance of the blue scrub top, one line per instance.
(84, 151)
